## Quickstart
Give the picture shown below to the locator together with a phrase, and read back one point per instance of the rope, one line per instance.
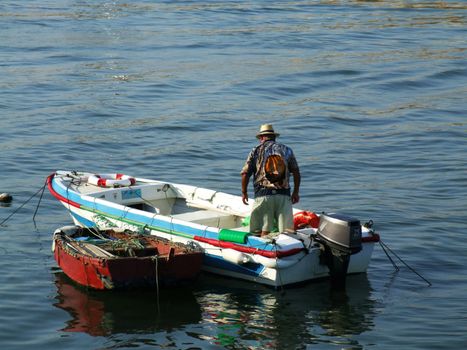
(402, 261)
(387, 254)
(38, 203)
(78, 182)
(157, 280)
(281, 284)
(22, 205)
(95, 231)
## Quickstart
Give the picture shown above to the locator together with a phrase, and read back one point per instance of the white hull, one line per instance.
(149, 207)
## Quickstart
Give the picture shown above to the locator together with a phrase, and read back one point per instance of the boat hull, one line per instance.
(160, 269)
(281, 261)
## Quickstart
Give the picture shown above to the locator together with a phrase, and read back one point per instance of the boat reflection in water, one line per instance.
(99, 313)
(227, 313)
(249, 315)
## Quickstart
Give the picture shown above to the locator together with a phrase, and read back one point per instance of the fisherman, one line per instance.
(271, 164)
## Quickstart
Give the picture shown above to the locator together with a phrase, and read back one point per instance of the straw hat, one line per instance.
(266, 129)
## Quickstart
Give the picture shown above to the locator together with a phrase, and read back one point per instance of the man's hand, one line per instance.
(245, 198)
(245, 179)
(296, 181)
(295, 197)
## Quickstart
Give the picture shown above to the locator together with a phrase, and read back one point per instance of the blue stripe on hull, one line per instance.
(154, 221)
(83, 221)
(214, 261)
(250, 269)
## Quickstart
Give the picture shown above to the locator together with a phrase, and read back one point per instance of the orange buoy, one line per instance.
(305, 219)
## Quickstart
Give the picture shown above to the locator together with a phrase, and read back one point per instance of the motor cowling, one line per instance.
(340, 236)
(341, 232)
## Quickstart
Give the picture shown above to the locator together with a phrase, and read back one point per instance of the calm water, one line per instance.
(370, 94)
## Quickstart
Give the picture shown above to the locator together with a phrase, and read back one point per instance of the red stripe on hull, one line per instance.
(266, 253)
(59, 196)
(374, 238)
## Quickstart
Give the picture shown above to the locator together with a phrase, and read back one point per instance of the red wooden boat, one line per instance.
(120, 259)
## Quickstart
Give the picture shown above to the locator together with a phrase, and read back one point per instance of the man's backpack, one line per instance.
(275, 168)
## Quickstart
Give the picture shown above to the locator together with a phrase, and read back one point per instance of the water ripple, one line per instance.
(370, 95)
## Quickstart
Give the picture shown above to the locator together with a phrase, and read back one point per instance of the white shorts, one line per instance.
(272, 214)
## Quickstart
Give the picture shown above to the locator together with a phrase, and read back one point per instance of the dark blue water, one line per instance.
(371, 95)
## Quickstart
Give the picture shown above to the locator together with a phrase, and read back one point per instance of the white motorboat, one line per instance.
(217, 223)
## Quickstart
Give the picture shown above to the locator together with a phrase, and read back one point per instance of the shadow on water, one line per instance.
(102, 313)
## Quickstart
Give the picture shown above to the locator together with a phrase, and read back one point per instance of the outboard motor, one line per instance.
(340, 236)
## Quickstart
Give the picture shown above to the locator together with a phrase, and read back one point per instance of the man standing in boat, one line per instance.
(271, 164)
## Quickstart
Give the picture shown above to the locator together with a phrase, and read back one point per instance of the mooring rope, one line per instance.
(384, 245)
(278, 270)
(156, 260)
(39, 202)
(389, 257)
(22, 205)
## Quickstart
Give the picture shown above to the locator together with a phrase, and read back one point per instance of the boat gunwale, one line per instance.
(179, 249)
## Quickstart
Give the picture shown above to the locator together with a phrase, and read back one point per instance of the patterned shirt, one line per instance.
(254, 165)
